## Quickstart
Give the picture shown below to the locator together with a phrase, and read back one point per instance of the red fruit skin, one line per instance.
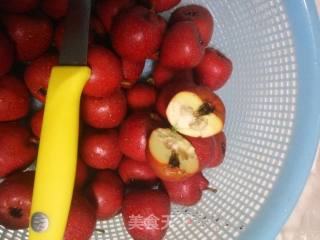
(15, 200)
(55, 8)
(131, 72)
(37, 75)
(31, 35)
(131, 170)
(107, 192)
(82, 174)
(18, 6)
(214, 70)
(185, 76)
(162, 75)
(96, 26)
(134, 133)
(181, 81)
(162, 5)
(187, 192)
(219, 150)
(105, 72)
(14, 98)
(136, 34)
(100, 149)
(181, 46)
(199, 15)
(164, 98)
(146, 203)
(6, 54)
(205, 150)
(36, 123)
(105, 112)
(82, 219)
(141, 97)
(16, 148)
(106, 10)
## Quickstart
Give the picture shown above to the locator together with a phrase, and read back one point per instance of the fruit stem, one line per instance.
(152, 8)
(100, 230)
(150, 80)
(34, 140)
(126, 84)
(155, 117)
(214, 190)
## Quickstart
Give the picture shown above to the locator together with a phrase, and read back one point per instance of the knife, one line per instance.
(57, 155)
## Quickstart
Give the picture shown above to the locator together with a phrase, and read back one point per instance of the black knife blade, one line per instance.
(74, 48)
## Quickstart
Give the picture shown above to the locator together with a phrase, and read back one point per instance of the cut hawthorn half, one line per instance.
(171, 156)
(194, 115)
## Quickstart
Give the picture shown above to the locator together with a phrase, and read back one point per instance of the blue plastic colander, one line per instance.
(273, 123)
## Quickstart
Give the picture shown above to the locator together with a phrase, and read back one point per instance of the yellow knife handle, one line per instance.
(57, 156)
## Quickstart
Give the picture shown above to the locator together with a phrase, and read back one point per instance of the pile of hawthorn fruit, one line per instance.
(143, 142)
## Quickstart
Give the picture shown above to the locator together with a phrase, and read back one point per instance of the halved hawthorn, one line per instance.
(171, 156)
(196, 112)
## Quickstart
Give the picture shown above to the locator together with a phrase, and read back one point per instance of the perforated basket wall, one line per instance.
(272, 111)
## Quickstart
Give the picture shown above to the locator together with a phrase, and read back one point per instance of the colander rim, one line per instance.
(304, 21)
